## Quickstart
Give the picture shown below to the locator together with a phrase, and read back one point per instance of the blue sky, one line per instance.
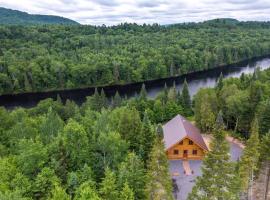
(111, 12)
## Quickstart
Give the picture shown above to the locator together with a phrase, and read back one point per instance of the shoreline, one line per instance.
(139, 82)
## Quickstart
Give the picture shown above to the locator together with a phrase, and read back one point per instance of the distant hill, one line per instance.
(8, 16)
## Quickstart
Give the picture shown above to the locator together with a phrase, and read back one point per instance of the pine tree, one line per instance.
(95, 101)
(186, 100)
(103, 99)
(143, 92)
(148, 136)
(172, 93)
(50, 126)
(265, 148)
(220, 82)
(264, 117)
(108, 188)
(117, 100)
(132, 172)
(85, 191)
(158, 182)
(165, 94)
(160, 134)
(218, 180)
(126, 193)
(250, 157)
(58, 193)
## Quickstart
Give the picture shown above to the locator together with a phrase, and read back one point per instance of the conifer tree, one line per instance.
(250, 157)
(58, 193)
(85, 191)
(165, 94)
(103, 99)
(186, 100)
(108, 187)
(218, 180)
(148, 136)
(159, 183)
(143, 92)
(264, 117)
(265, 148)
(50, 126)
(220, 82)
(95, 101)
(132, 172)
(117, 100)
(126, 193)
(172, 93)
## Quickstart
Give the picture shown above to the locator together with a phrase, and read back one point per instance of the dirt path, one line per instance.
(186, 167)
(261, 186)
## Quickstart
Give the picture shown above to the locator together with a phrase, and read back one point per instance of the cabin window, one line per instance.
(181, 143)
(190, 142)
(175, 152)
(194, 152)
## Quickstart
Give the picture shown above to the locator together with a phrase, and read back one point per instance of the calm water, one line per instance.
(209, 78)
(195, 81)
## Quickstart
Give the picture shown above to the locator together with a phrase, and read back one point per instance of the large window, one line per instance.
(175, 151)
(190, 142)
(194, 152)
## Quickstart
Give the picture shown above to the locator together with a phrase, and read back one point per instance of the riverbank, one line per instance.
(196, 80)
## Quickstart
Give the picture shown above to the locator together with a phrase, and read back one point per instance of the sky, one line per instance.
(113, 12)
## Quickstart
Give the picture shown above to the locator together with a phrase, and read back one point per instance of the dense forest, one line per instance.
(12, 17)
(49, 57)
(113, 149)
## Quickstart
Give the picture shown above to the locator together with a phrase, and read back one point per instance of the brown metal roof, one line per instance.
(179, 128)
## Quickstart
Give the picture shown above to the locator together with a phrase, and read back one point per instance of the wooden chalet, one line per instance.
(183, 140)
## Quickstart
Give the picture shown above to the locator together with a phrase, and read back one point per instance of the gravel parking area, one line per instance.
(183, 183)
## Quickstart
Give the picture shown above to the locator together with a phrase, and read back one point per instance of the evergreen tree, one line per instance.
(265, 148)
(160, 133)
(158, 181)
(264, 117)
(218, 180)
(220, 83)
(117, 100)
(126, 193)
(132, 172)
(186, 100)
(250, 157)
(165, 94)
(108, 187)
(95, 101)
(86, 191)
(103, 99)
(58, 193)
(172, 93)
(129, 126)
(143, 93)
(51, 126)
(148, 136)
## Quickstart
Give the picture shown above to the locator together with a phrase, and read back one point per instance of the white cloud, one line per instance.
(112, 12)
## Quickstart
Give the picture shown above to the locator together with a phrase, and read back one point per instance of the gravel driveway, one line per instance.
(182, 183)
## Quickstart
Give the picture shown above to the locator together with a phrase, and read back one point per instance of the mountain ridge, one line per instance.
(16, 17)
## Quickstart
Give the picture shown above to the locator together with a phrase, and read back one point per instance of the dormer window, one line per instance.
(190, 142)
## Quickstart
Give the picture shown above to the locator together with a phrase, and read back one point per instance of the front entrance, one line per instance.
(185, 153)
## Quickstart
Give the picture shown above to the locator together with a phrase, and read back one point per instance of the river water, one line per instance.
(195, 81)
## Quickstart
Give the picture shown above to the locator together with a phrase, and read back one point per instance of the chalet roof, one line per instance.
(179, 128)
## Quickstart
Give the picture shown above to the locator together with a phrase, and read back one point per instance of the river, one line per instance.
(195, 81)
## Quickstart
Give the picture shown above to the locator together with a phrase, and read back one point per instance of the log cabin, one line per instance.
(183, 140)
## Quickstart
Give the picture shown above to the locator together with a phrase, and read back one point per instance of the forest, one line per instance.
(112, 148)
(52, 57)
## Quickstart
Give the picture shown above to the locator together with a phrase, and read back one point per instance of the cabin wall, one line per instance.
(171, 153)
